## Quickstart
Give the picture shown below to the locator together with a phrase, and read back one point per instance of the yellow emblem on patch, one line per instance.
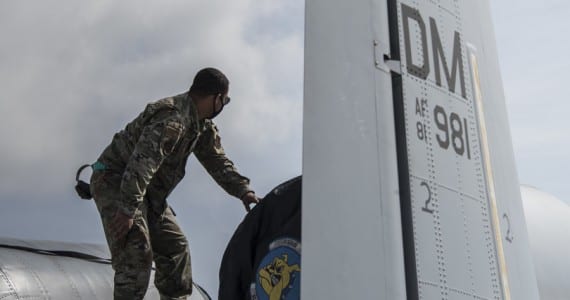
(276, 276)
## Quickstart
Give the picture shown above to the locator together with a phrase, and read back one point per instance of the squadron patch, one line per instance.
(278, 276)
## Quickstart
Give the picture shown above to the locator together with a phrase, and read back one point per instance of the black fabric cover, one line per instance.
(278, 215)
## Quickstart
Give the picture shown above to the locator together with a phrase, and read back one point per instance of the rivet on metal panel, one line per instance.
(9, 284)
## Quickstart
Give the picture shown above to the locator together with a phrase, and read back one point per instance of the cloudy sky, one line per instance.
(72, 73)
(533, 54)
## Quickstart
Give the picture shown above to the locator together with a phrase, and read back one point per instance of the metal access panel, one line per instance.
(455, 220)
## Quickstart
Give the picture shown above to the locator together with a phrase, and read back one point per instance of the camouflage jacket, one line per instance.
(151, 153)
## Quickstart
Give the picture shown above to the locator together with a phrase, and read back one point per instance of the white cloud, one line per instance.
(80, 73)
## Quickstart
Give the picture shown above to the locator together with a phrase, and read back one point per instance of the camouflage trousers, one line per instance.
(152, 237)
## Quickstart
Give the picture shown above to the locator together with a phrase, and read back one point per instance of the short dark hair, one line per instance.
(209, 81)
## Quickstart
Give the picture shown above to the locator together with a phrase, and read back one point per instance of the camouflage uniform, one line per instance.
(136, 173)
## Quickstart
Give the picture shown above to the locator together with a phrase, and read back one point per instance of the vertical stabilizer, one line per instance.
(410, 187)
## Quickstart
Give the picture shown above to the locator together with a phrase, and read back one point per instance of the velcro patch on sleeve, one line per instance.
(171, 135)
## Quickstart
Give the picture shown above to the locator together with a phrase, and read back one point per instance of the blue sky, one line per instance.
(72, 73)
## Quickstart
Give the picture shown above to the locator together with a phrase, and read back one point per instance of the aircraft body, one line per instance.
(58, 270)
(548, 220)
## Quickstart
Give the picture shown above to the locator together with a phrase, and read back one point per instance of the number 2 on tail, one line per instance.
(426, 207)
(509, 237)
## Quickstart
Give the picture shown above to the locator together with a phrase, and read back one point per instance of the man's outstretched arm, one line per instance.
(212, 156)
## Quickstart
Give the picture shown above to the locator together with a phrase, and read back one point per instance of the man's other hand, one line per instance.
(120, 225)
(248, 199)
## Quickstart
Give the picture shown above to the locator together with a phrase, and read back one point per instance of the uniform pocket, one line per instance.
(106, 190)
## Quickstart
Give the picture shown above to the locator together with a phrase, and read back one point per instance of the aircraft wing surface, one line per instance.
(548, 220)
(59, 270)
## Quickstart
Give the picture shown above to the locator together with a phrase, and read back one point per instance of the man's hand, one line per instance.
(120, 225)
(248, 199)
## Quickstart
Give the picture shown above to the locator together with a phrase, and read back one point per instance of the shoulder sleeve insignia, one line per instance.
(170, 136)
